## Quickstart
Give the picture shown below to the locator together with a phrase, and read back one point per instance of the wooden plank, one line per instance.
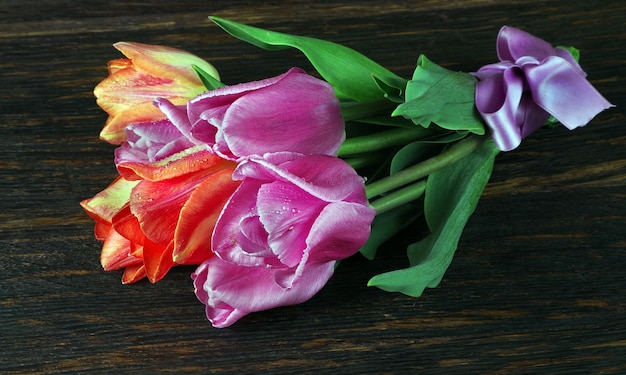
(536, 286)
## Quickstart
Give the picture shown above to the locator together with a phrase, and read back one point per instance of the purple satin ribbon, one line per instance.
(532, 81)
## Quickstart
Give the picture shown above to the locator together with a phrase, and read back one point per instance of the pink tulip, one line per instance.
(148, 72)
(280, 233)
(292, 112)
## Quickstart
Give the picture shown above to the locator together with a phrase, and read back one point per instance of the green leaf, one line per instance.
(394, 94)
(349, 72)
(573, 50)
(208, 80)
(397, 122)
(387, 225)
(411, 154)
(451, 197)
(441, 96)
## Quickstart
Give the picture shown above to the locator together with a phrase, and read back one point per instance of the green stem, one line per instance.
(362, 161)
(399, 197)
(381, 140)
(413, 173)
(358, 110)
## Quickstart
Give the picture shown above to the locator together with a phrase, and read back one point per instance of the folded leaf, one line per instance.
(210, 82)
(349, 72)
(451, 197)
(441, 96)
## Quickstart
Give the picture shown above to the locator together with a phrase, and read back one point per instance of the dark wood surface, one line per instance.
(537, 285)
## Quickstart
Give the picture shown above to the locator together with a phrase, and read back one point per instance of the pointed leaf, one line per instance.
(349, 72)
(208, 80)
(451, 197)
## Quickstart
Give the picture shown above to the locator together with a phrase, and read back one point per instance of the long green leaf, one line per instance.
(349, 72)
(451, 197)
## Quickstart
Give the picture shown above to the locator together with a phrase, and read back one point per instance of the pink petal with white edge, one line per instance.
(298, 105)
(230, 291)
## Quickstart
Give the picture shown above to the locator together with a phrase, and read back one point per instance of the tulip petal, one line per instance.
(287, 213)
(114, 127)
(315, 174)
(192, 238)
(188, 161)
(110, 201)
(127, 97)
(149, 72)
(133, 273)
(251, 118)
(339, 231)
(116, 252)
(252, 237)
(126, 224)
(157, 205)
(165, 61)
(157, 259)
(220, 314)
(222, 98)
(177, 115)
(127, 88)
(226, 239)
(101, 228)
(119, 64)
(149, 142)
(224, 285)
(304, 100)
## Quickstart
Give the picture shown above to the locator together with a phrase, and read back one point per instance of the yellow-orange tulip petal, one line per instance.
(188, 161)
(110, 201)
(149, 72)
(116, 252)
(133, 273)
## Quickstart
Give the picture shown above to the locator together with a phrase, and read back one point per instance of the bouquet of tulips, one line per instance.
(266, 185)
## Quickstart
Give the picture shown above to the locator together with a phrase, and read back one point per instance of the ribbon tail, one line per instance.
(559, 89)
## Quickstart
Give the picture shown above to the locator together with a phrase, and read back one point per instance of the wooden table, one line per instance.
(537, 285)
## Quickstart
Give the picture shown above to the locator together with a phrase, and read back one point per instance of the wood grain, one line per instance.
(537, 285)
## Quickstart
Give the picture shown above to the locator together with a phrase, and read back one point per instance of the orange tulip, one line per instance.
(148, 72)
(149, 226)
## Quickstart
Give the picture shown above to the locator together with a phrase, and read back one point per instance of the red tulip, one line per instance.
(150, 226)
